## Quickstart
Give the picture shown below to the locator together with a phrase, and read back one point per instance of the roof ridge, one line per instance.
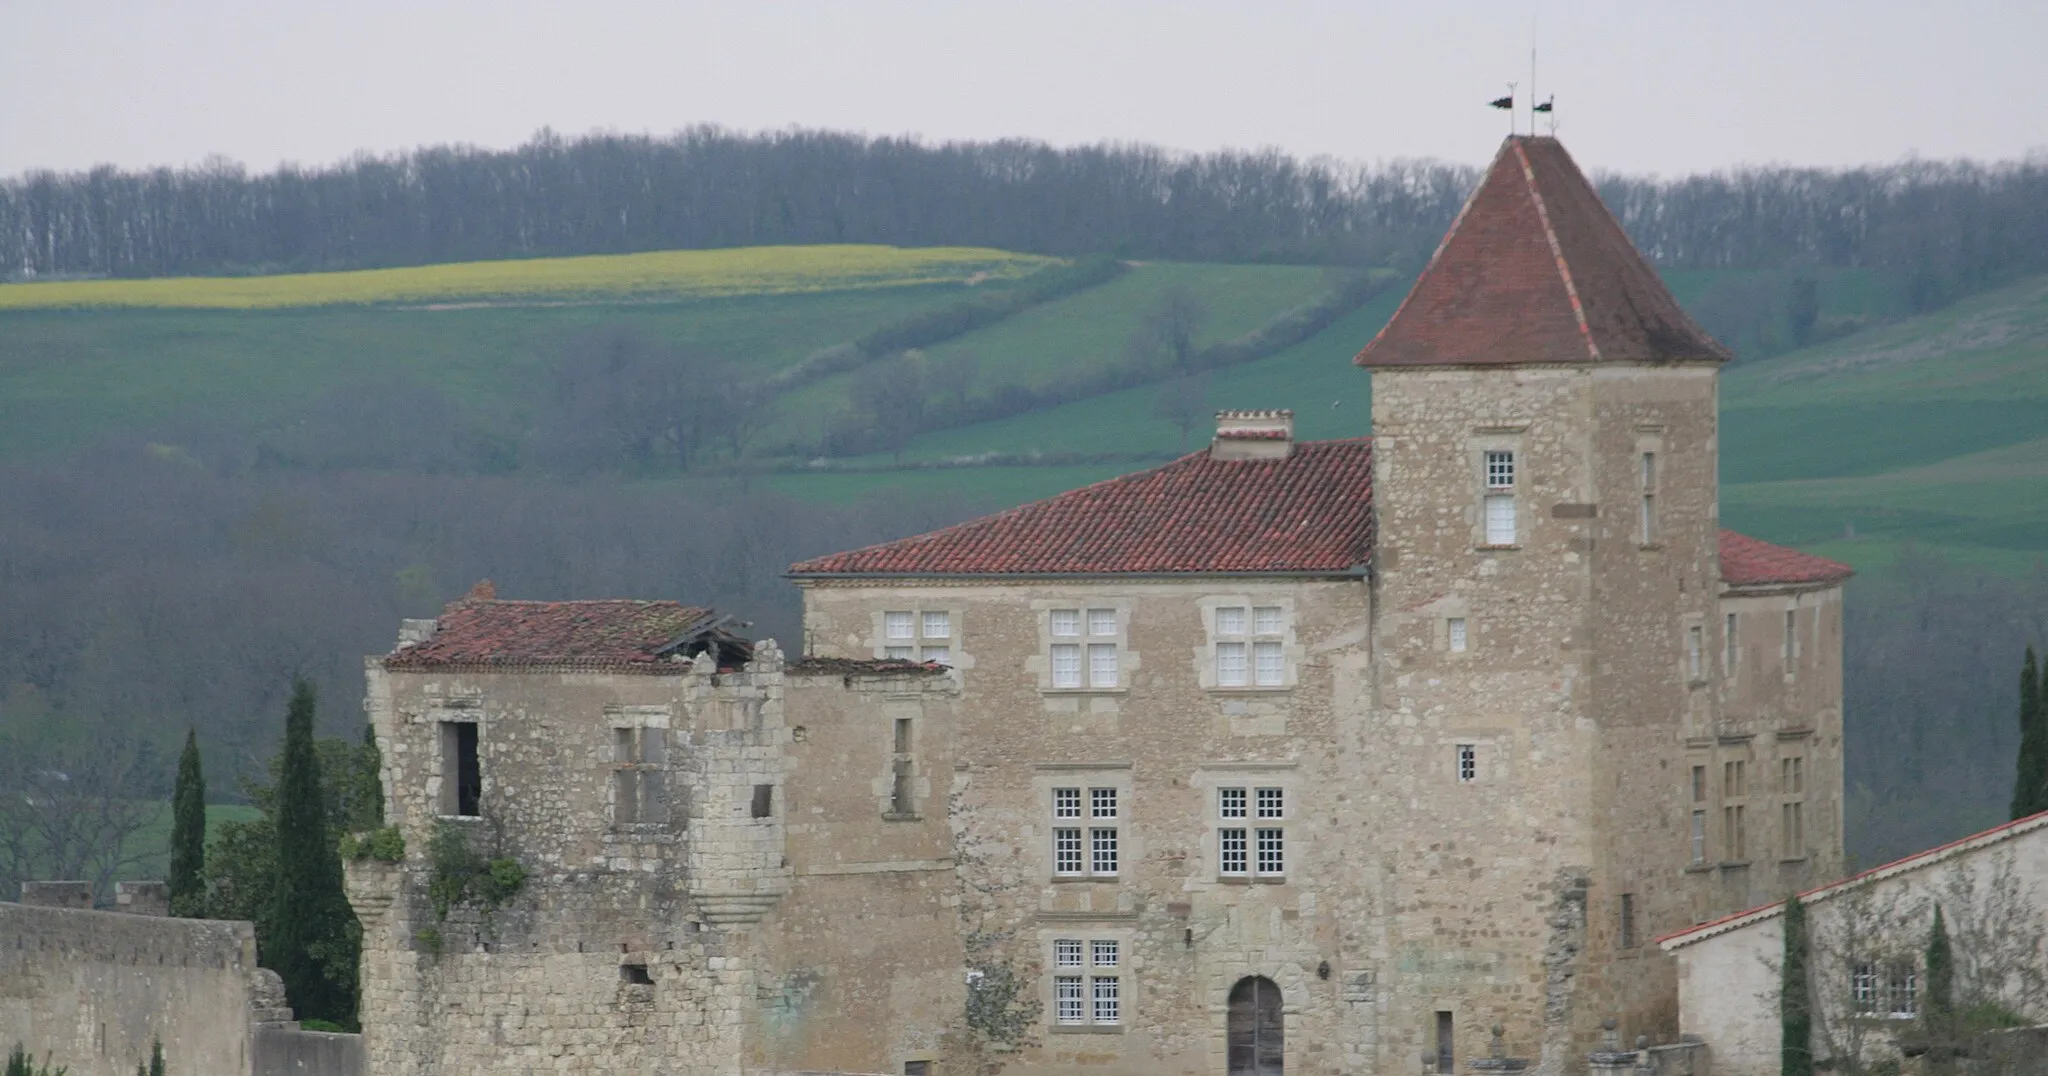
(1564, 268)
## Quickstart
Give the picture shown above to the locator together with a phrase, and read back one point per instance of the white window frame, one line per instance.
(1499, 521)
(1468, 763)
(1087, 831)
(1084, 649)
(1088, 984)
(1457, 634)
(1251, 835)
(1248, 646)
(917, 634)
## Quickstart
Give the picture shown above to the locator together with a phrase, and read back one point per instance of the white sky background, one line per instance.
(1643, 86)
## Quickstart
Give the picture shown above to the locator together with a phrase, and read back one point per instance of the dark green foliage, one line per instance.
(309, 936)
(2030, 784)
(19, 1063)
(155, 1065)
(367, 800)
(1941, 978)
(188, 833)
(1795, 995)
(1802, 310)
(384, 844)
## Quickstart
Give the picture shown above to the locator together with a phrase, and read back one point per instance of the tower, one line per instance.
(1546, 587)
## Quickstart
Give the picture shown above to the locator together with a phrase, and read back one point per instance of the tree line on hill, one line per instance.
(1940, 228)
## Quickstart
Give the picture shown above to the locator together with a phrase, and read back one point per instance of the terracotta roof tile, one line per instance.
(1308, 512)
(1536, 270)
(1750, 562)
(594, 634)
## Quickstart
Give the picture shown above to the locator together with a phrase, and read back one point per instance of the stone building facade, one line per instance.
(1286, 756)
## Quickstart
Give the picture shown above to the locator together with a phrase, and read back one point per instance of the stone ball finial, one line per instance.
(1498, 1031)
(1642, 1042)
(1608, 1024)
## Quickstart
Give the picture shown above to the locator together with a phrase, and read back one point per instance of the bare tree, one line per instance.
(1170, 330)
(1183, 402)
(72, 812)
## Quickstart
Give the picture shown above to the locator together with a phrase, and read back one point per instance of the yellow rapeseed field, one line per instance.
(667, 274)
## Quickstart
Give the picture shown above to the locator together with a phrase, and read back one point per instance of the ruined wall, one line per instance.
(1166, 739)
(94, 989)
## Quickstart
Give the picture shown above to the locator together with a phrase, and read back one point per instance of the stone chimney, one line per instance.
(1253, 435)
(412, 632)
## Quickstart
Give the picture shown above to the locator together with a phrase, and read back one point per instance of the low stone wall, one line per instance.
(94, 989)
(280, 1051)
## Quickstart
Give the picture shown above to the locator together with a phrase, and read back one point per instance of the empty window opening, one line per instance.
(1468, 762)
(917, 1068)
(1446, 1053)
(1628, 920)
(1699, 784)
(1457, 634)
(638, 792)
(764, 801)
(1728, 647)
(635, 975)
(461, 775)
(902, 735)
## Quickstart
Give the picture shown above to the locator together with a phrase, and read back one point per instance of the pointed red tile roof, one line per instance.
(1309, 512)
(1753, 562)
(1536, 270)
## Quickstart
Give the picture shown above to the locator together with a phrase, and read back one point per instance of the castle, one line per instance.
(1360, 756)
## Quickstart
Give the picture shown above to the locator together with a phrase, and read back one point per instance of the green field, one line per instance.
(655, 276)
(1932, 429)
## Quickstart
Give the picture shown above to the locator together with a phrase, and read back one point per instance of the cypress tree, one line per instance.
(309, 924)
(369, 791)
(2030, 785)
(1795, 997)
(1941, 982)
(188, 833)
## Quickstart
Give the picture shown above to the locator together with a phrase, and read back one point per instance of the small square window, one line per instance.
(897, 626)
(1106, 1000)
(1102, 622)
(1066, 953)
(1267, 620)
(1066, 622)
(1272, 849)
(1272, 803)
(1500, 470)
(1066, 803)
(1230, 620)
(936, 655)
(1069, 1001)
(1066, 851)
(938, 625)
(1104, 954)
(897, 653)
(1102, 803)
(1468, 762)
(1456, 627)
(1230, 802)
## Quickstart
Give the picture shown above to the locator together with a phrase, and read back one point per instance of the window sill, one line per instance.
(1700, 868)
(1697, 683)
(641, 829)
(1734, 864)
(902, 816)
(1787, 861)
(1082, 691)
(1100, 879)
(1251, 689)
(1484, 548)
(461, 817)
(1251, 879)
(1086, 1029)
(1650, 547)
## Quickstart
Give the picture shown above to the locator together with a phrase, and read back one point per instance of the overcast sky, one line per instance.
(1641, 86)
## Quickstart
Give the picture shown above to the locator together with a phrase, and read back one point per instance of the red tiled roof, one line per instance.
(1750, 562)
(1536, 270)
(594, 634)
(1308, 512)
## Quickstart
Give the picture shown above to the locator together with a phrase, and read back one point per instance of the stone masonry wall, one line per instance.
(93, 989)
(1166, 739)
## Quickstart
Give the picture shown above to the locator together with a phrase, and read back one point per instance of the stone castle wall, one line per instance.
(93, 989)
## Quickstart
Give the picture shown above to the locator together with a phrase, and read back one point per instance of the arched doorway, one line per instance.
(1256, 1034)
